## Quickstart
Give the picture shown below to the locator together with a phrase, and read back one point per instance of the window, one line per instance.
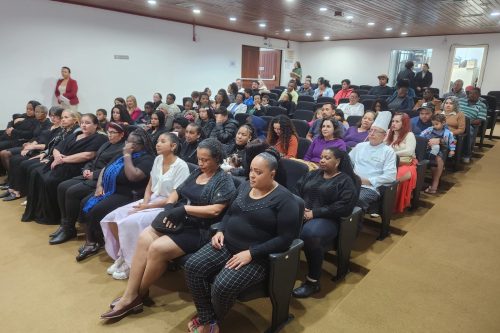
(400, 57)
(466, 63)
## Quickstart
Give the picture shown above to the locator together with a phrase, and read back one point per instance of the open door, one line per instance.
(260, 64)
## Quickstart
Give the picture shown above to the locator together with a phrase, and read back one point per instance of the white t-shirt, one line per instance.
(164, 184)
(357, 109)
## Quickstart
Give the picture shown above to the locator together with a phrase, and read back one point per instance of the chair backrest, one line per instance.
(353, 120)
(365, 97)
(421, 148)
(272, 96)
(343, 100)
(336, 87)
(281, 88)
(294, 171)
(192, 167)
(435, 92)
(410, 113)
(491, 102)
(306, 98)
(274, 111)
(268, 120)
(496, 94)
(306, 115)
(305, 105)
(362, 92)
(301, 126)
(273, 102)
(181, 107)
(384, 97)
(302, 148)
(354, 87)
(365, 87)
(368, 103)
(322, 100)
(241, 118)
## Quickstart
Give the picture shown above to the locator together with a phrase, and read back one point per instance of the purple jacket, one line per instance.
(316, 148)
(352, 137)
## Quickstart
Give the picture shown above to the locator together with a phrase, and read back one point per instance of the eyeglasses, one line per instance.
(112, 132)
(374, 131)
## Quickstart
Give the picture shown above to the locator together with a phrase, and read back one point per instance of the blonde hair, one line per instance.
(133, 100)
(74, 114)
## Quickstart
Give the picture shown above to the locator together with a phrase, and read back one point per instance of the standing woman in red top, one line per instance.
(66, 90)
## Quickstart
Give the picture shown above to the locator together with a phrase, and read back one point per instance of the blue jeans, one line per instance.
(470, 141)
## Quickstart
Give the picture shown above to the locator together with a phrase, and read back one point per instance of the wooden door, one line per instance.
(249, 65)
(270, 67)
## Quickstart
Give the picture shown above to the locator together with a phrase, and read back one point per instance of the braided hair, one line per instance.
(145, 140)
(287, 131)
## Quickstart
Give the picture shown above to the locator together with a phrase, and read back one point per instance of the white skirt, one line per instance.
(130, 227)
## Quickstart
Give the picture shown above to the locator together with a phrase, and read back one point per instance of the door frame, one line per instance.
(451, 59)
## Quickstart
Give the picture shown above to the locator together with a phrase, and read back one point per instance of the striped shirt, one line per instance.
(473, 110)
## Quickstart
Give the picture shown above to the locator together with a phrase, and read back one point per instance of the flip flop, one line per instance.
(430, 190)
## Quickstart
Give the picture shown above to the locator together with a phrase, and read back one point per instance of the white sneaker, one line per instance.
(122, 272)
(374, 215)
(116, 265)
(24, 203)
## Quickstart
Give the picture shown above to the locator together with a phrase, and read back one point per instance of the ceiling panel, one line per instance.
(417, 18)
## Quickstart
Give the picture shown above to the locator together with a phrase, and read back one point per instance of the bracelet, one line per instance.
(126, 155)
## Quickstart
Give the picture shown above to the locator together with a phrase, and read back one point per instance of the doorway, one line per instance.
(259, 63)
(466, 63)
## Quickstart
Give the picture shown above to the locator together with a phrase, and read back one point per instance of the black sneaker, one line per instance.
(306, 289)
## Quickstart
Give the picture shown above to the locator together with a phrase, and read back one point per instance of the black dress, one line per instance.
(188, 152)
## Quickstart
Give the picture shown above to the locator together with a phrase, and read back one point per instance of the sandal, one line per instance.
(212, 327)
(430, 190)
(193, 324)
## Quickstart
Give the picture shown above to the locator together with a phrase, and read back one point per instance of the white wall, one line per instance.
(37, 37)
(362, 61)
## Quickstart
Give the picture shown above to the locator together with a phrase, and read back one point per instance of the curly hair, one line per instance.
(144, 140)
(287, 130)
(454, 101)
(215, 148)
(405, 128)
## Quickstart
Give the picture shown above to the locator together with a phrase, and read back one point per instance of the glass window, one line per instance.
(466, 63)
(400, 57)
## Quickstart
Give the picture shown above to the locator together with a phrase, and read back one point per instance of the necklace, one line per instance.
(325, 176)
(256, 197)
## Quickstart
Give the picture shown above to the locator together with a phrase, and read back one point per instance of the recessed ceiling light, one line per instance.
(196, 11)
(308, 34)
(326, 37)
(371, 24)
(404, 33)
(323, 9)
(495, 14)
(350, 17)
(262, 25)
(287, 30)
(388, 29)
(232, 19)
(152, 2)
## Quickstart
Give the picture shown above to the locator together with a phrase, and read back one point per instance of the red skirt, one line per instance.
(403, 196)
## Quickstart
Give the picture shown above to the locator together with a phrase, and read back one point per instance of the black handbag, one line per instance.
(159, 224)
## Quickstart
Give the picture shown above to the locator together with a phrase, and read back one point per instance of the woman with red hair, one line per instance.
(402, 140)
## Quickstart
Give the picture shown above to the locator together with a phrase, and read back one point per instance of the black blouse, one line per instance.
(124, 185)
(188, 152)
(106, 153)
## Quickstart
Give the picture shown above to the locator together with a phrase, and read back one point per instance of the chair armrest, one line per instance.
(349, 227)
(296, 246)
(214, 228)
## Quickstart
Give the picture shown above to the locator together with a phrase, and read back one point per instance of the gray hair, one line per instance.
(214, 147)
(454, 101)
(271, 161)
(42, 109)
(56, 110)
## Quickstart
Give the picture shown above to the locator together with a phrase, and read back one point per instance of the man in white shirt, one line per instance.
(374, 162)
(354, 107)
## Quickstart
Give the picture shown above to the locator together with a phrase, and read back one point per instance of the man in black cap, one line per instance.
(423, 120)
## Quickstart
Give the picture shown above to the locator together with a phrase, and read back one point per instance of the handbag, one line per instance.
(173, 213)
(405, 160)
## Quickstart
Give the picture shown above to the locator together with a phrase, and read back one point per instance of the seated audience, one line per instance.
(20, 129)
(189, 146)
(402, 140)
(172, 108)
(354, 107)
(428, 97)
(208, 191)
(261, 220)
(254, 87)
(157, 100)
(281, 135)
(400, 100)
(345, 92)
(101, 115)
(359, 133)
(225, 98)
(340, 118)
(263, 88)
(115, 186)
(179, 128)
(122, 227)
(329, 193)
(71, 192)
(305, 89)
(382, 88)
(232, 91)
(238, 106)
(119, 114)
(195, 97)
(248, 100)
(441, 145)
(133, 110)
(120, 101)
(327, 112)
(423, 120)
(476, 111)
(265, 101)
(285, 102)
(258, 109)
(225, 128)
(423, 80)
(144, 121)
(235, 150)
(329, 137)
(374, 162)
(455, 119)
(157, 126)
(290, 89)
(380, 105)
(169, 118)
(457, 90)
(206, 121)
(324, 89)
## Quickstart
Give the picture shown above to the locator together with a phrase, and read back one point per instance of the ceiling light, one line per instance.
(287, 30)
(495, 14)
(308, 34)
(232, 19)
(404, 33)
(262, 25)
(326, 37)
(371, 23)
(323, 9)
(349, 17)
(152, 2)
(196, 11)
(388, 29)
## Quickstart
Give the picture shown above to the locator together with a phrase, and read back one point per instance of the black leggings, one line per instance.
(69, 196)
(318, 235)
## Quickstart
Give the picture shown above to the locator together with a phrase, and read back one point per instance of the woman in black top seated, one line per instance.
(157, 126)
(331, 192)
(206, 192)
(193, 136)
(127, 173)
(72, 191)
(236, 149)
(20, 129)
(261, 220)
